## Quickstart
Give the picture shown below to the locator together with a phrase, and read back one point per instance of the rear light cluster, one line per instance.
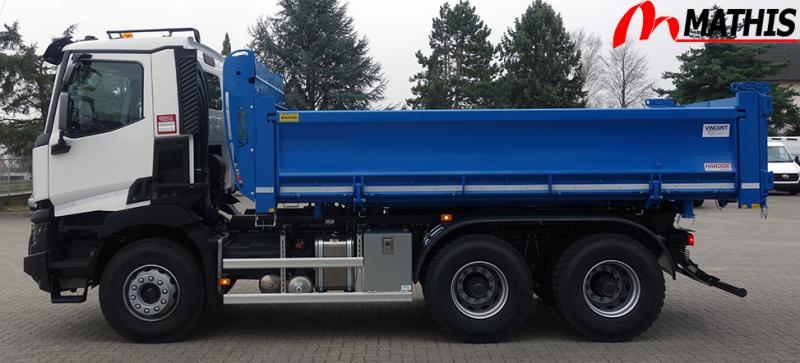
(690, 239)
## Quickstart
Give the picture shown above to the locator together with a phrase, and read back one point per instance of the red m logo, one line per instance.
(649, 23)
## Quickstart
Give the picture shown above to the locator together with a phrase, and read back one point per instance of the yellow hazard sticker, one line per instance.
(290, 117)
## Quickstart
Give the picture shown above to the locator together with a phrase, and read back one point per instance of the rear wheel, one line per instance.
(609, 287)
(478, 289)
(152, 291)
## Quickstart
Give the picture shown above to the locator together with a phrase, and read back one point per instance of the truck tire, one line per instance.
(152, 291)
(608, 287)
(478, 289)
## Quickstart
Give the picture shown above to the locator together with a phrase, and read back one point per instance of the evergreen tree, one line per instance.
(226, 45)
(707, 73)
(541, 65)
(324, 62)
(26, 82)
(459, 72)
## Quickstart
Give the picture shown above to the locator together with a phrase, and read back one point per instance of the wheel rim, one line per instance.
(611, 289)
(479, 290)
(151, 293)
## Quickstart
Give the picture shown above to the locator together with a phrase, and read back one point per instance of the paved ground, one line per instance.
(697, 324)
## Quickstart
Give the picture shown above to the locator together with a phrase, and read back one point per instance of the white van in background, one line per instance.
(792, 143)
(785, 169)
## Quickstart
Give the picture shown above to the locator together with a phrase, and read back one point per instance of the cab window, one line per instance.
(104, 96)
(214, 92)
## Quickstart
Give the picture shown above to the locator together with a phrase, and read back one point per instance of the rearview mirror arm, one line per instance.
(61, 147)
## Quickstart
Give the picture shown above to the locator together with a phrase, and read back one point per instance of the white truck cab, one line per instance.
(784, 168)
(112, 97)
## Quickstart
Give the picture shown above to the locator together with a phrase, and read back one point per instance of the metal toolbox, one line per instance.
(387, 260)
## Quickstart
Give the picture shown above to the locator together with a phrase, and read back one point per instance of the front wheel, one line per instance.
(609, 287)
(478, 289)
(152, 291)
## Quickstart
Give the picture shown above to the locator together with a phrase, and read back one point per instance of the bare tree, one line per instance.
(590, 46)
(625, 77)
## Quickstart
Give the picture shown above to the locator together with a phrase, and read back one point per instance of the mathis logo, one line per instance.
(712, 26)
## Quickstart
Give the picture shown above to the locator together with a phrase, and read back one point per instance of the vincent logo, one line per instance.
(716, 130)
(712, 26)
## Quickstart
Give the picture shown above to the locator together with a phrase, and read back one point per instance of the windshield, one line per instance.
(778, 154)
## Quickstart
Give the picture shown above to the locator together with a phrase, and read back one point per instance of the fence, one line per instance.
(15, 176)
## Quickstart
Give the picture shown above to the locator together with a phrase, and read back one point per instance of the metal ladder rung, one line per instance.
(300, 262)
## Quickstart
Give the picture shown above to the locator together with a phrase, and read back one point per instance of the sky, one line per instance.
(396, 29)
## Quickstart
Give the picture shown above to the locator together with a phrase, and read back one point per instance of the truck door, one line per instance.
(217, 140)
(109, 133)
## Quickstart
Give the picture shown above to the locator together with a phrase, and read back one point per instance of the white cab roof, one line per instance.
(143, 44)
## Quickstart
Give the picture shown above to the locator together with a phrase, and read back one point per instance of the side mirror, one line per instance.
(63, 110)
(797, 159)
(63, 115)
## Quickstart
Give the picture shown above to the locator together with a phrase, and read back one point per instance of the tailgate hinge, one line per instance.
(655, 194)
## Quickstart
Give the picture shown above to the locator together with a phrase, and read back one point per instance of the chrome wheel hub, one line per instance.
(151, 292)
(611, 289)
(479, 290)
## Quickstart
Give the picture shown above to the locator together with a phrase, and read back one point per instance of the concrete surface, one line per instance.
(698, 323)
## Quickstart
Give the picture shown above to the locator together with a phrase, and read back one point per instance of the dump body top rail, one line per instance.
(547, 156)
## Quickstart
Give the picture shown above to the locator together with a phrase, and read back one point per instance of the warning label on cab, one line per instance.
(718, 166)
(166, 124)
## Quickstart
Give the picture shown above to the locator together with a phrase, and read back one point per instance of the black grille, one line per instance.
(193, 106)
(189, 98)
(785, 177)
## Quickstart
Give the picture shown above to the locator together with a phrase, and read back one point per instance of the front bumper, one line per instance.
(787, 187)
(42, 237)
(47, 262)
(36, 266)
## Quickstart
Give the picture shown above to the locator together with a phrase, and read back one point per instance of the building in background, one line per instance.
(790, 75)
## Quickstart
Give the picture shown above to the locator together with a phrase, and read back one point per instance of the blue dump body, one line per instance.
(712, 150)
